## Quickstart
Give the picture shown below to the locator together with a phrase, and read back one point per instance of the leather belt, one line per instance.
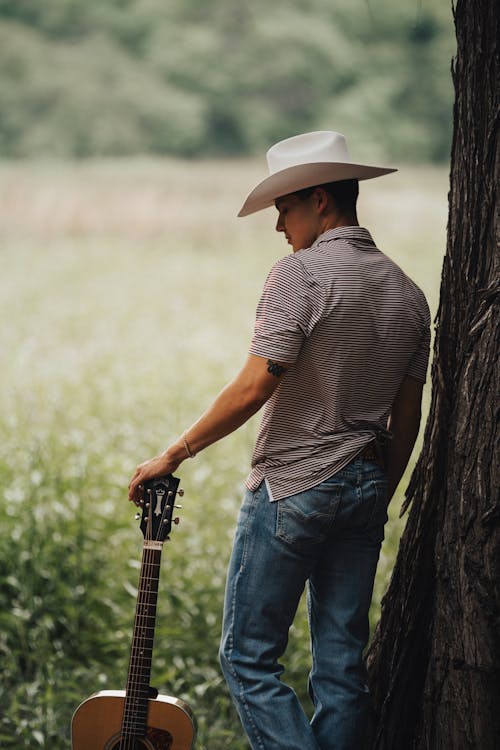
(372, 452)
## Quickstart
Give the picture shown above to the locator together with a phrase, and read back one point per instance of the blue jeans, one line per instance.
(330, 537)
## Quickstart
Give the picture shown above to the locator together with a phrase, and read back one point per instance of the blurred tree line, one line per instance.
(201, 77)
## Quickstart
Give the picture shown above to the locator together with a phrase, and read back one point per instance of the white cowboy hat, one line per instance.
(304, 161)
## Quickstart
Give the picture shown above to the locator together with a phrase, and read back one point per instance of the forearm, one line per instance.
(234, 405)
(398, 454)
(404, 423)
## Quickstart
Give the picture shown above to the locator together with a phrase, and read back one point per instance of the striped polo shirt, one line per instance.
(351, 325)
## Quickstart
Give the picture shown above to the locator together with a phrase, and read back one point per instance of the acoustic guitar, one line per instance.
(138, 718)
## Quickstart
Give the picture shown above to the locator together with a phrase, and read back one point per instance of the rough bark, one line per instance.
(434, 663)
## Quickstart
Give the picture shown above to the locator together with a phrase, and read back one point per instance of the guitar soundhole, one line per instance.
(156, 739)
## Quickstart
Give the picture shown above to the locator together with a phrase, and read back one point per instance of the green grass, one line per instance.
(127, 297)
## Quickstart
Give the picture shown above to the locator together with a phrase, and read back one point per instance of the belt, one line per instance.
(372, 452)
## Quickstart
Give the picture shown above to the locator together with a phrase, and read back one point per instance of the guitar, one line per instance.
(138, 718)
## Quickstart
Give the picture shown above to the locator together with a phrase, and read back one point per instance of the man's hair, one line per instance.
(344, 193)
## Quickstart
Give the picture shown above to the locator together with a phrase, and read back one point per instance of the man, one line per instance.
(339, 357)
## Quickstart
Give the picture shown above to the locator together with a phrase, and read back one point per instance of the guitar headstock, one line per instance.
(158, 506)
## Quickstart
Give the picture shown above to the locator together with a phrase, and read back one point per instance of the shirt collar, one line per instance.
(358, 234)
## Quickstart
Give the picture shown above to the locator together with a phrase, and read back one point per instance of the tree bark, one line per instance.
(434, 663)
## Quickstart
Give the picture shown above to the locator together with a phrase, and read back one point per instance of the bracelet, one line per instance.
(186, 446)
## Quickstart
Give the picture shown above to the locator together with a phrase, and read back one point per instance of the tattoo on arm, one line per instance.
(274, 368)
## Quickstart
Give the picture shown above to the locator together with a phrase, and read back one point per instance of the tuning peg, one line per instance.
(137, 516)
(180, 492)
(176, 521)
(178, 506)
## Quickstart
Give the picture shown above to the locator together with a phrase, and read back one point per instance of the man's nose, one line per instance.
(279, 225)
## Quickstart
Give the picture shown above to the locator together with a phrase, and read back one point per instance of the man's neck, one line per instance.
(333, 221)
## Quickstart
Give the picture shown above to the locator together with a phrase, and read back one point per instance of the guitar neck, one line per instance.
(137, 692)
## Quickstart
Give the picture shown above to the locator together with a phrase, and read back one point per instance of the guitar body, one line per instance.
(97, 724)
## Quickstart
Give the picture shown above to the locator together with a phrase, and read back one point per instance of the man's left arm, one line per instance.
(403, 423)
(235, 404)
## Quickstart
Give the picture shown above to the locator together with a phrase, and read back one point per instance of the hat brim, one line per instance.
(303, 176)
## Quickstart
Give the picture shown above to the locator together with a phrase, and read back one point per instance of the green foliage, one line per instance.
(51, 606)
(189, 78)
(125, 310)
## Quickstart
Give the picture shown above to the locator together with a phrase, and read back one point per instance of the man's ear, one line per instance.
(320, 199)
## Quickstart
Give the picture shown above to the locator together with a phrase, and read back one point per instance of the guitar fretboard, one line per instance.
(137, 694)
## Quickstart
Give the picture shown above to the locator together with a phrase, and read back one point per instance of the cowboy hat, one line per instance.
(304, 161)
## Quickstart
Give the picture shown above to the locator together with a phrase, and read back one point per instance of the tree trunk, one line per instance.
(434, 663)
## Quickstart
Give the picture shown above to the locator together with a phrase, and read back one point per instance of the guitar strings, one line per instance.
(150, 564)
(142, 622)
(133, 688)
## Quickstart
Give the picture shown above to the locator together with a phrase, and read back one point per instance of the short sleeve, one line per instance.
(287, 311)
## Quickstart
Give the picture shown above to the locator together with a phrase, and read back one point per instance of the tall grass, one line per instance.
(127, 296)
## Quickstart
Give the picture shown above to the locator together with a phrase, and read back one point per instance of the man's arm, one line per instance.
(404, 422)
(234, 405)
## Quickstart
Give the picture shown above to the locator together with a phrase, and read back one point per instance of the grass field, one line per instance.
(127, 296)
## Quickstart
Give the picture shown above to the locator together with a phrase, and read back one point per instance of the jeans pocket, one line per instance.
(304, 520)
